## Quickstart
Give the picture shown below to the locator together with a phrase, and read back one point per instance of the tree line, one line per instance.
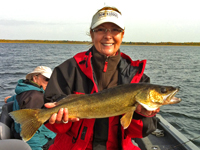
(88, 42)
(164, 43)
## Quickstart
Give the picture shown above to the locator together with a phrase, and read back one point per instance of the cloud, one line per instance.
(14, 29)
(4, 22)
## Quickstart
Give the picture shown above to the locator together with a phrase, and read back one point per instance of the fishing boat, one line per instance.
(165, 137)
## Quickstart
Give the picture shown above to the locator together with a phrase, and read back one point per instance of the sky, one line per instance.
(145, 20)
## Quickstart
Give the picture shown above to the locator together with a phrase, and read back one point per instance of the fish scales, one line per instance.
(107, 103)
(120, 100)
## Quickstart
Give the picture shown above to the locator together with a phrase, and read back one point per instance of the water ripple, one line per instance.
(166, 65)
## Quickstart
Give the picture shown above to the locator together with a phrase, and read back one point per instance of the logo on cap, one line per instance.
(110, 14)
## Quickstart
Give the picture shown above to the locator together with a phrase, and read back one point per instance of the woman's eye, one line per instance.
(115, 30)
(100, 29)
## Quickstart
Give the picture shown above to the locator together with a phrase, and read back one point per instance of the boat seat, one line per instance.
(6, 122)
(7, 140)
(14, 144)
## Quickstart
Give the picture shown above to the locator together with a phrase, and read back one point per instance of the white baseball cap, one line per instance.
(104, 16)
(43, 70)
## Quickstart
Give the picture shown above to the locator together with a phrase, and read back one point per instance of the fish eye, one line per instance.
(163, 90)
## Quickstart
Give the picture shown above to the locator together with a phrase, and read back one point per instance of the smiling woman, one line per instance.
(107, 19)
(107, 38)
(103, 66)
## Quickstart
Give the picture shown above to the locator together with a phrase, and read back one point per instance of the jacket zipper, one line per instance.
(105, 65)
(74, 139)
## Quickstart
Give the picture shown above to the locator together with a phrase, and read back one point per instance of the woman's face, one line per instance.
(41, 80)
(107, 43)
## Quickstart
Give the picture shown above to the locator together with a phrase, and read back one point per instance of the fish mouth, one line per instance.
(171, 99)
(150, 108)
(167, 99)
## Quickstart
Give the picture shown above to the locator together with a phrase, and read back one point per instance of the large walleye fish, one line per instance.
(119, 100)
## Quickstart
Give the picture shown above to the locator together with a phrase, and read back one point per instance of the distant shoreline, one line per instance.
(87, 42)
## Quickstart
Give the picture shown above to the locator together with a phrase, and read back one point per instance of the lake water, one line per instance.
(166, 65)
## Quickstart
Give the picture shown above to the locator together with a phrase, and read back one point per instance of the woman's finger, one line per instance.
(59, 115)
(65, 115)
(50, 105)
(52, 119)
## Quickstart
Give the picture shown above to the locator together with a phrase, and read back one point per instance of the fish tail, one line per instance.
(30, 121)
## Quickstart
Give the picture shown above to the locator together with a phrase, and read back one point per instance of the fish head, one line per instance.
(154, 96)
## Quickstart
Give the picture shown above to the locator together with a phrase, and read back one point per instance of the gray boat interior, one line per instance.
(166, 137)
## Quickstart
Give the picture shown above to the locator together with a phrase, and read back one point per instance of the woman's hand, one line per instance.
(141, 110)
(61, 116)
(6, 98)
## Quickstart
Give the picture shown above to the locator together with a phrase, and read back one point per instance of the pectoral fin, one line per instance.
(126, 119)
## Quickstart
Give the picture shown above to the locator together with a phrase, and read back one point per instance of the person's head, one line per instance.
(107, 30)
(40, 75)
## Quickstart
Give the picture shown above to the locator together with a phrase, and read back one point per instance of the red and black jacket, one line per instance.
(76, 76)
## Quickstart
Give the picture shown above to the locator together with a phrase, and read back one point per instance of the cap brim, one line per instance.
(47, 75)
(30, 75)
(108, 19)
(107, 16)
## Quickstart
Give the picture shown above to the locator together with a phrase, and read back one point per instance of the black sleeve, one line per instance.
(149, 123)
(61, 81)
(145, 78)
(54, 90)
(30, 99)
